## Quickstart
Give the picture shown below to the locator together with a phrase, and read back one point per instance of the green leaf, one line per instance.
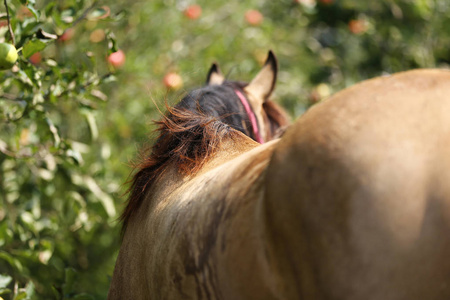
(112, 43)
(32, 47)
(92, 124)
(30, 71)
(4, 280)
(4, 291)
(35, 12)
(29, 290)
(49, 8)
(75, 155)
(69, 280)
(27, 219)
(15, 263)
(109, 78)
(67, 16)
(99, 95)
(20, 296)
(55, 292)
(29, 27)
(6, 234)
(105, 199)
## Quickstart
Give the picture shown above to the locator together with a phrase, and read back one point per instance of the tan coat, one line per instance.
(353, 202)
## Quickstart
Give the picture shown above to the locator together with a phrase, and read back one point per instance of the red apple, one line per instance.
(67, 35)
(173, 81)
(117, 59)
(357, 26)
(193, 12)
(253, 17)
(35, 58)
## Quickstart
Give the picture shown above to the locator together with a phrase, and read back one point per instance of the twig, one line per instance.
(9, 24)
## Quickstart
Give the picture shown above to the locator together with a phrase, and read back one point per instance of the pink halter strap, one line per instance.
(251, 115)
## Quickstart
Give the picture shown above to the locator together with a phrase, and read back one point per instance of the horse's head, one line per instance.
(243, 106)
(194, 129)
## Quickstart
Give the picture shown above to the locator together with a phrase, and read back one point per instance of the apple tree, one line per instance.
(56, 207)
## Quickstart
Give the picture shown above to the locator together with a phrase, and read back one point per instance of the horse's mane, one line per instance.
(190, 133)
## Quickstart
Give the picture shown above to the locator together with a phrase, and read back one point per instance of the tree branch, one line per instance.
(11, 33)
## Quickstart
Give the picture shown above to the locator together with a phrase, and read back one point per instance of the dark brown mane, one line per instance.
(190, 133)
(187, 139)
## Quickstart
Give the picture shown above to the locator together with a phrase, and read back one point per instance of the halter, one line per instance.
(251, 116)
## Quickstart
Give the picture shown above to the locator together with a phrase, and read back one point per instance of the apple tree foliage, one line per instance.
(54, 208)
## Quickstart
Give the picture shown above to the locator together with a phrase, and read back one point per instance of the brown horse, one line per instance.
(352, 202)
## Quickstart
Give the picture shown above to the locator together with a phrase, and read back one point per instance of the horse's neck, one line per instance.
(207, 213)
(203, 215)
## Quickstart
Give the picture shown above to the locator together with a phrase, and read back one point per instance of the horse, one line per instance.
(351, 201)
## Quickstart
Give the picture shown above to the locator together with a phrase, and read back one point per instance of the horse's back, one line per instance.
(366, 177)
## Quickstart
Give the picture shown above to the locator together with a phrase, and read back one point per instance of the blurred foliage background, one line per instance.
(78, 104)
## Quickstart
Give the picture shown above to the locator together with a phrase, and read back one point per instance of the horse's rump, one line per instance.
(364, 180)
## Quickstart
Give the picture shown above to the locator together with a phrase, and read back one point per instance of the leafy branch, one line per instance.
(11, 33)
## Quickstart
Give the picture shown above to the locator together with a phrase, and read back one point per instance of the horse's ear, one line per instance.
(263, 84)
(214, 77)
